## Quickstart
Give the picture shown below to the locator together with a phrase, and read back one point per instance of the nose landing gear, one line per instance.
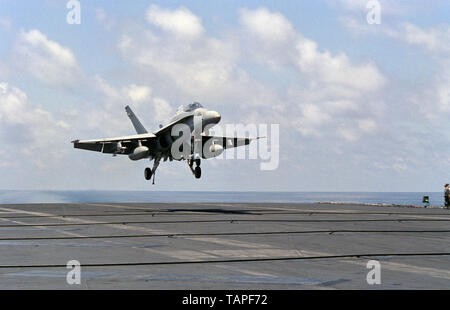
(197, 172)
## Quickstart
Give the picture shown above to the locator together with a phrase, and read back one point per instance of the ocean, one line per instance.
(31, 196)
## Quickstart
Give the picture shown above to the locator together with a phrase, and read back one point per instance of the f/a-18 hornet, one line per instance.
(185, 137)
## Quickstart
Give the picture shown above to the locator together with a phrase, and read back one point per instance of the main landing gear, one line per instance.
(197, 171)
(148, 173)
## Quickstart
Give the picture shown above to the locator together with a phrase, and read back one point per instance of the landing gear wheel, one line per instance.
(197, 162)
(148, 173)
(197, 172)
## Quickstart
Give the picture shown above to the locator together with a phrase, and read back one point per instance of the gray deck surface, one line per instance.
(223, 246)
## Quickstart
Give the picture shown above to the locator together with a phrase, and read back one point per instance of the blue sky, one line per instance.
(361, 107)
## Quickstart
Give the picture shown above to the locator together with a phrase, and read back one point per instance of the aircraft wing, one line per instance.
(228, 142)
(109, 145)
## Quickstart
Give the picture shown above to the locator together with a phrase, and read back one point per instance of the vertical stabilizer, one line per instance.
(136, 123)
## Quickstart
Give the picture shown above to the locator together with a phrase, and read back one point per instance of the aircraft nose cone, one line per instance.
(214, 116)
(217, 116)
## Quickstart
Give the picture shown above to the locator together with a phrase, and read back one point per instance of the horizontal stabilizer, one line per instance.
(229, 142)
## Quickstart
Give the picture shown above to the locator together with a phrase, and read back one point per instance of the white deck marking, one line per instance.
(84, 221)
(229, 242)
(246, 271)
(116, 206)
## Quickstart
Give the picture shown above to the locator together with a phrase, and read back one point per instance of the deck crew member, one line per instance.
(447, 195)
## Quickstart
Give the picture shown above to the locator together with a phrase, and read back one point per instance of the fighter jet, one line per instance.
(164, 143)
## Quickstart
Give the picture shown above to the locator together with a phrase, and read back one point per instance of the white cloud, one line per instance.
(433, 100)
(204, 66)
(348, 134)
(436, 39)
(180, 22)
(354, 5)
(367, 125)
(337, 69)
(162, 110)
(268, 26)
(361, 7)
(104, 19)
(31, 132)
(359, 26)
(267, 37)
(108, 116)
(45, 59)
(13, 102)
(341, 105)
(138, 94)
(5, 23)
(313, 114)
(429, 100)
(311, 119)
(334, 90)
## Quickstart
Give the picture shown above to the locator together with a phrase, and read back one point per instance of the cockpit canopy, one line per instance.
(192, 106)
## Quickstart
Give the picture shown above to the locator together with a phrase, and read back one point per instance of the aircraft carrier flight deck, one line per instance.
(223, 246)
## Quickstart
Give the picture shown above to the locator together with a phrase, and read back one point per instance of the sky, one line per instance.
(361, 93)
